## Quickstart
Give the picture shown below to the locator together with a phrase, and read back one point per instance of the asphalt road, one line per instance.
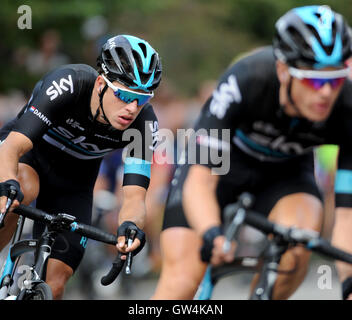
(321, 283)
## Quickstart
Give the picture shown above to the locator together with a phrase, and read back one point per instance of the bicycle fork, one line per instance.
(269, 273)
(10, 264)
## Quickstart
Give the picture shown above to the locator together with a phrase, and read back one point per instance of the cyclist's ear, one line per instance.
(100, 83)
(282, 72)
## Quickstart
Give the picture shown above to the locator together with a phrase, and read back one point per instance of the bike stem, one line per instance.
(269, 273)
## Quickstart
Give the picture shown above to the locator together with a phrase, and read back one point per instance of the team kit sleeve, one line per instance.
(138, 154)
(55, 92)
(343, 179)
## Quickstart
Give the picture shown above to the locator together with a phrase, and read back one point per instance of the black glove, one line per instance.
(208, 242)
(11, 185)
(346, 288)
(124, 230)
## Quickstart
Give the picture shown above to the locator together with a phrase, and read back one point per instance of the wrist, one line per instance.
(208, 241)
(202, 229)
(212, 232)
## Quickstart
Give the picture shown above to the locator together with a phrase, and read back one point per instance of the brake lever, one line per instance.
(233, 229)
(129, 255)
(10, 198)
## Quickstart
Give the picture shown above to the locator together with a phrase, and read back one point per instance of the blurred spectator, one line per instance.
(110, 179)
(95, 32)
(94, 27)
(195, 105)
(48, 57)
(10, 105)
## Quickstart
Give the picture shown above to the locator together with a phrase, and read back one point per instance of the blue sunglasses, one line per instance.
(128, 96)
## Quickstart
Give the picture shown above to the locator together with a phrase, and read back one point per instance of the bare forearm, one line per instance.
(199, 200)
(9, 163)
(133, 207)
(14, 146)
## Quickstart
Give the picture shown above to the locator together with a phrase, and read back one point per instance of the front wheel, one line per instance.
(40, 291)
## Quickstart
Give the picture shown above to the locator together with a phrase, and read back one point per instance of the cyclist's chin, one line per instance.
(318, 112)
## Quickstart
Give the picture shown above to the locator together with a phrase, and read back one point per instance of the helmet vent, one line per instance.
(152, 63)
(123, 59)
(312, 36)
(144, 48)
(297, 38)
(132, 62)
(327, 49)
(138, 60)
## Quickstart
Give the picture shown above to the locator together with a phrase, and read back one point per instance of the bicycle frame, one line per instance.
(9, 265)
(42, 250)
(270, 257)
(283, 238)
(269, 272)
(213, 275)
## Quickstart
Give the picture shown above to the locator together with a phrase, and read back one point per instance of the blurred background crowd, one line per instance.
(197, 40)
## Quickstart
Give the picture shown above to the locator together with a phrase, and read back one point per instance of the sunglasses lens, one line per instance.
(319, 83)
(128, 97)
(337, 82)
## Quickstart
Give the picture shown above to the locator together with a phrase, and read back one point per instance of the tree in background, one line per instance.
(196, 39)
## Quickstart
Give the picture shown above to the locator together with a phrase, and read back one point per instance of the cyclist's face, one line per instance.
(120, 114)
(313, 102)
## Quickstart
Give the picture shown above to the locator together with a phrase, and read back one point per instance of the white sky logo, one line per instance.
(56, 89)
(227, 93)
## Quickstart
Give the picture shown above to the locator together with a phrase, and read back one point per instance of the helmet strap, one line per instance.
(290, 99)
(101, 95)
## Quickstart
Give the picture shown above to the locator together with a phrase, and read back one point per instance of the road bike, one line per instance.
(34, 287)
(267, 262)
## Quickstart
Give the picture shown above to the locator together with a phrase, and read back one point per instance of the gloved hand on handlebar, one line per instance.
(12, 191)
(123, 232)
(212, 248)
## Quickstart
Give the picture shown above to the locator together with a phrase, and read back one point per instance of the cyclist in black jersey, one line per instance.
(52, 150)
(268, 112)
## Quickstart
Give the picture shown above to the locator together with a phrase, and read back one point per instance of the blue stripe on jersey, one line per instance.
(137, 166)
(258, 147)
(71, 144)
(343, 181)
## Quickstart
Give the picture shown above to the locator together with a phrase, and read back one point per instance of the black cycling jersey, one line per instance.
(68, 147)
(269, 153)
(59, 122)
(246, 101)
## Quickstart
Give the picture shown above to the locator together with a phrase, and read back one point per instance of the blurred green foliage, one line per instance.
(196, 39)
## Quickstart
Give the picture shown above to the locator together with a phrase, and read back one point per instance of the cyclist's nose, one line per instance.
(326, 90)
(132, 107)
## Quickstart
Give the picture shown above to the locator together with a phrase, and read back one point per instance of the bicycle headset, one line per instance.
(314, 37)
(132, 62)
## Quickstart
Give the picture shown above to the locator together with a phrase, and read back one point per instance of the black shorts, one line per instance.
(268, 182)
(66, 186)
